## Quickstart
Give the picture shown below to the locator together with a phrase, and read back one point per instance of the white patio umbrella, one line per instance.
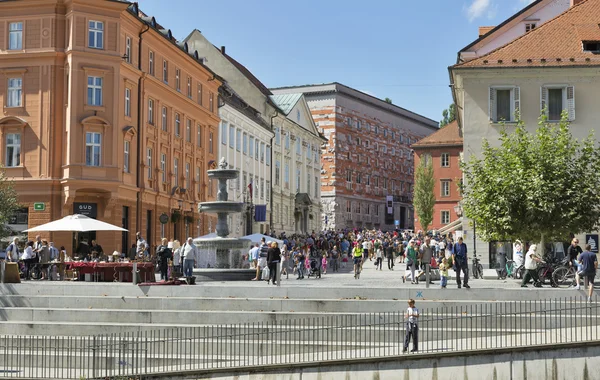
(78, 223)
(256, 238)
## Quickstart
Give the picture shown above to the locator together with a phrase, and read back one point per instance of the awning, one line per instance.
(456, 225)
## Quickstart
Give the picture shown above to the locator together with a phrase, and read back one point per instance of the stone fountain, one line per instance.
(228, 250)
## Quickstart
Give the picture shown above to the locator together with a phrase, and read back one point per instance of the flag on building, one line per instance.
(260, 213)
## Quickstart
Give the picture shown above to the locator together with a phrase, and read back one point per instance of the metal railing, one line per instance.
(334, 337)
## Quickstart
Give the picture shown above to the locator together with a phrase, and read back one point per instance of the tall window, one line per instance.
(126, 149)
(223, 132)
(231, 136)
(151, 111)
(165, 71)
(211, 105)
(187, 175)
(163, 167)
(238, 139)
(177, 125)
(128, 49)
(277, 169)
(15, 92)
(96, 34)
(176, 171)
(93, 148)
(445, 217)
(94, 91)
(286, 175)
(127, 102)
(503, 103)
(316, 186)
(164, 119)
(188, 130)
(210, 142)
(445, 158)
(252, 147)
(178, 79)
(151, 62)
(198, 185)
(256, 143)
(262, 152)
(13, 150)
(287, 140)
(15, 36)
(445, 188)
(189, 87)
(268, 191)
(268, 158)
(245, 144)
(308, 184)
(198, 135)
(199, 93)
(149, 162)
(277, 136)
(298, 146)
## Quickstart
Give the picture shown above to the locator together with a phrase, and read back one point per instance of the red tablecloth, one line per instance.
(109, 272)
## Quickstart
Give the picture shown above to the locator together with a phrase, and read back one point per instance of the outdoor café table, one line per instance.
(115, 271)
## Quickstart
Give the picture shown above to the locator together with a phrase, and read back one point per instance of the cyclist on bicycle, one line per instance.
(358, 255)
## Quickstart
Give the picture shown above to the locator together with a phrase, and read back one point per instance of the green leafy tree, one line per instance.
(539, 186)
(449, 115)
(424, 197)
(388, 100)
(8, 202)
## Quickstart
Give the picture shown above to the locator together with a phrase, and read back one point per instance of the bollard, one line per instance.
(427, 275)
(2, 271)
(134, 274)
(278, 274)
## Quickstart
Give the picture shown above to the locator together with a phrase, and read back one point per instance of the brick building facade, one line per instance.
(104, 113)
(444, 149)
(367, 157)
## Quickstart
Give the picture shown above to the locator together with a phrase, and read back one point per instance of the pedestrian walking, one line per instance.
(589, 265)
(444, 273)
(461, 264)
(531, 260)
(273, 259)
(389, 252)
(412, 326)
(378, 258)
(411, 262)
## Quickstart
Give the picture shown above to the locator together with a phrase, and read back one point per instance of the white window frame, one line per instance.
(445, 188)
(15, 29)
(150, 111)
(14, 95)
(96, 28)
(188, 130)
(96, 96)
(232, 136)
(151, 62)
(165, 71)
(189, 87)
(163, 166)
(224, 127)
(277, 136)
(529, 26)
(126, 151)
(13, 150)
(262, 152)
(93, 146)
(286, 174)
(268, 155)
(149, 162)
(245, 143)
(515, 103)
(238, 139)
(251, 145)
(568, 99)
(198, 180)
(445, 217)
(128, 49)
(445, 160)
(199, 93)
(176, 171)
(165, 119)
(177, 125)
(277, 171)
(188, 180)
(127, 102)
(178, 80)
(198, 135)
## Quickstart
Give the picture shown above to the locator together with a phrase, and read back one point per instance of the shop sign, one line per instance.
(88, 209)
(39, 206)
(593, 241)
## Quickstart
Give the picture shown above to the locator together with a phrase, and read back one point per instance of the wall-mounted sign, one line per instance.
(88, 209)
(593, 241)
(163, 218)
(39, 206)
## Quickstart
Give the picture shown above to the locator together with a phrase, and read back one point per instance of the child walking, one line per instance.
(324, 263)
(444, 272)
(412, 326)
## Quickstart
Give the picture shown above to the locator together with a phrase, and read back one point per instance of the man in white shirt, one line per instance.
(531, 260)
(141, 246)
(412, 326)
(189, 257)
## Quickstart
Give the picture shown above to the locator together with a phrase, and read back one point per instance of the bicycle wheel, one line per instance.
(480, 270)
(563, 277)
(475, 272)
(35, 272)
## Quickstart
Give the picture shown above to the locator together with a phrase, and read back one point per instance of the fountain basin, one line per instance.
(221, 207)
(223, 173)
(222, 243)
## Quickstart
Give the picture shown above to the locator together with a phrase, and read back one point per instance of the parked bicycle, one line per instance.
(564, 274)
(546, 270)
(477, 268)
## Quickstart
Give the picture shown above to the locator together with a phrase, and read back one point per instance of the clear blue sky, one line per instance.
(388, 48)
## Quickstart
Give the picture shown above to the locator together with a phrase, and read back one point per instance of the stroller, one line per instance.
(315, 264)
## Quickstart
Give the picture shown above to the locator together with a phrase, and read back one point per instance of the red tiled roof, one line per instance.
(445, 136)
(555, 43)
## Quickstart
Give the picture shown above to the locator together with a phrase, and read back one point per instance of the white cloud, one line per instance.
(478, 8)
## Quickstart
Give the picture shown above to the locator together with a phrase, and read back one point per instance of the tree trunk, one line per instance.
(540, 251)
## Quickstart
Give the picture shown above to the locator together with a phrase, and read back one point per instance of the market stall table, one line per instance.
(109, 272)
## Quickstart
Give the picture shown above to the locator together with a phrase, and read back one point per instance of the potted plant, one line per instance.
(188, 219)
(175, 216)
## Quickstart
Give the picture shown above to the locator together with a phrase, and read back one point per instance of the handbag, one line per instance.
(265, 273)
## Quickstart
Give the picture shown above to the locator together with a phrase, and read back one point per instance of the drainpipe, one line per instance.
(139, 173)
(271, 175)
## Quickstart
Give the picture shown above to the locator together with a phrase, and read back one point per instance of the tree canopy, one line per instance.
(388, 100)
(424, 197)
(534, 186)
(8, 202)
(449, 115)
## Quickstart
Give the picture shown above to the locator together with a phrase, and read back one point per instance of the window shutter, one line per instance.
(544, 100)
(492, 105)
(516, 103)
(571, 102)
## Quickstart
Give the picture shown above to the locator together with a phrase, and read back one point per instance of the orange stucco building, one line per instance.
(444, 149)
(104, 113)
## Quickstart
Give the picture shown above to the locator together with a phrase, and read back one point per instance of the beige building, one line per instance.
(552, 67)
(104, 113)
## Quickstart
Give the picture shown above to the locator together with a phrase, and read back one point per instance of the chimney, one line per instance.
(222, 49)
(483, 30)
(575, 2)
